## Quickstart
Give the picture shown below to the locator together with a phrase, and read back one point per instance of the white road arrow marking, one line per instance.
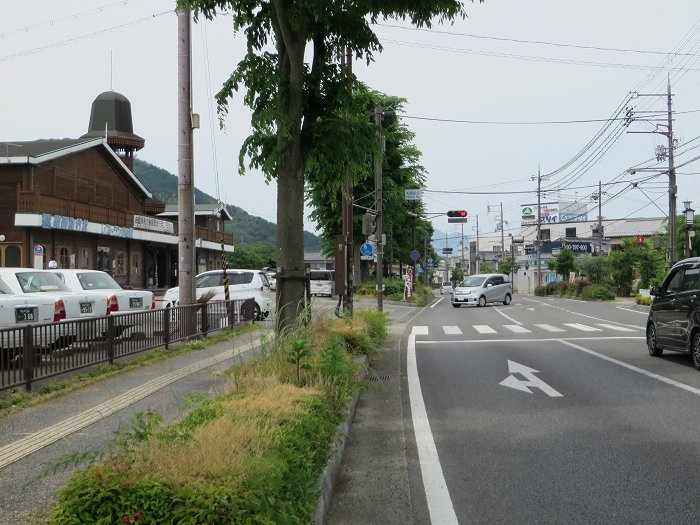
(531, 380)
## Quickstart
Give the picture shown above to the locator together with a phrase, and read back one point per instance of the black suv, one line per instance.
(674, 316)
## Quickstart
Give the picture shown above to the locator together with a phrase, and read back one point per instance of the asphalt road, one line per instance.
(549, 411)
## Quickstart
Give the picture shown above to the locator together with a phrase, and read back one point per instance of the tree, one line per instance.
(507, 265)
(300, 108)
(486, 267)
(458, 275)
(595, 269)
(253, 256)
(564, 262)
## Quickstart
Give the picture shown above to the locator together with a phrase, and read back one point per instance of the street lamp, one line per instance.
(689, 221)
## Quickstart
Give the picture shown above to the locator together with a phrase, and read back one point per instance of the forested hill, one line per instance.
(245, 227)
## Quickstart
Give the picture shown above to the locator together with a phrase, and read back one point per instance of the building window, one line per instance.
(84, 262)
(119, 263)
(570, 233)
(544, 235)
(135, 263)
(63, 257)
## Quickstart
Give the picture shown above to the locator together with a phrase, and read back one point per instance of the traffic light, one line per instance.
(369, 224)
(457, 213)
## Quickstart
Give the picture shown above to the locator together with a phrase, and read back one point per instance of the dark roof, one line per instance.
(199, 209)
(110, 117)
(36, 148)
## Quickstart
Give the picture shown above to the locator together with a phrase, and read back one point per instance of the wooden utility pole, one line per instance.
(672, 188)
(185, 184)
(348, 215)
(378, 208)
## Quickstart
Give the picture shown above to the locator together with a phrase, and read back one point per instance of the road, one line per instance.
(549, 411)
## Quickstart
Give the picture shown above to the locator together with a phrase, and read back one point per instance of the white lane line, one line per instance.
(637, 311)
(536, 340)
(484, 329)
(517, 329)
(439, 501)
(436, 302)
(508, 317)
(550, 328)
(582, 327)
(584, 315)
(452, 330)
(618, 328)
(658, 377)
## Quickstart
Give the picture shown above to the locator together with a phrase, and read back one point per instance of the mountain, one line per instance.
(244, 227)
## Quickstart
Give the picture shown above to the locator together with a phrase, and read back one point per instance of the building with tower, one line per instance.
(78, 202)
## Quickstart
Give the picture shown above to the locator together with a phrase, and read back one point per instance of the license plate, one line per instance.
(23, 314)
(135, 302)
(85, 308)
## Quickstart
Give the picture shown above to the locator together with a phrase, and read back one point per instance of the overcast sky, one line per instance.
(509, 65)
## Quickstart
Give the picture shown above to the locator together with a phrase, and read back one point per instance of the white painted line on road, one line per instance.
(439, 502)
(582, 327)
(632, 310)
(531, 380)
(508, 317)
(452, 330)
(550, 328)
(652, 375)
(618, 328)
(517, 329)
(436, 302)
(583, 315)
(534, 340)
(484, 329)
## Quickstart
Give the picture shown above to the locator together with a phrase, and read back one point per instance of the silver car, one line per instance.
(481, 289)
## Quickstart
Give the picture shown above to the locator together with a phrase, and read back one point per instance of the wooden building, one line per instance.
(78, 202)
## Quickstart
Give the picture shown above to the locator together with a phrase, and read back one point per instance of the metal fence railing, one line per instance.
(38, 352)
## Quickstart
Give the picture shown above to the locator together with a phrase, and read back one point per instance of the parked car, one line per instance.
(272, 279)
(674, 315)
(243, 284)
(481, 289)
(45, 283)
(120, 301)
(322, 282)
(446, 288)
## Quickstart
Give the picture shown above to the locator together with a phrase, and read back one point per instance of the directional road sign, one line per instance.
(366, 248)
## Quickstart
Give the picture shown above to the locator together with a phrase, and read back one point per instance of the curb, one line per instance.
(329, 475)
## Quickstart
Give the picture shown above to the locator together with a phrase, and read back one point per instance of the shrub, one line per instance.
(564, 288)
(597, 292)
(643, 299)
(541, 290)
(553, 287)
(581, 284)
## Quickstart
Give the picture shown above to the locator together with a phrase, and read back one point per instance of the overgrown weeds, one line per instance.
(251, 455)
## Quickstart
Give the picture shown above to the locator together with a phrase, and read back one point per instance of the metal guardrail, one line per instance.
(38, 352)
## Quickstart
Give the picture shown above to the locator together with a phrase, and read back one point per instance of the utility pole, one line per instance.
(186, 239)
(425, 261)
(503, 246)
(600, 218)
(348, 198)
(478, 263)
(539, 225)
(462, 245)
(672, 188)
(378, 208)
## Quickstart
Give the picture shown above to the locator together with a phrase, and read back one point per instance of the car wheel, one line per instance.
(506, 299)
(456, 305)
(695, 350)
(482, 300)
(258, 313)
(652, 342)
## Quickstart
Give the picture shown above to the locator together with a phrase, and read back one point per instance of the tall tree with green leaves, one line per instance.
(564, 262)
(299, 99)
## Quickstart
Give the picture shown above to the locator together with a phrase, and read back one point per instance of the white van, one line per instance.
(322, 282)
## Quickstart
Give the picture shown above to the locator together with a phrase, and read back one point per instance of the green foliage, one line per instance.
(507, 265)
(564, 262)
(458, 275)
(652, 267)
(486, 267)
(256, 255)
(643, 299)
(597, 292)
(581, 284)
(553, 287)
(622, 271)
(541, 290)
(596, 269)
(297, 355)
(422, 295)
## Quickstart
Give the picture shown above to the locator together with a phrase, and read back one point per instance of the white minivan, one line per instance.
(483, 288)
(322, 282)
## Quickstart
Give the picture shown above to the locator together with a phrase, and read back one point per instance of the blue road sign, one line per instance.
(366, 248)
(415, 255)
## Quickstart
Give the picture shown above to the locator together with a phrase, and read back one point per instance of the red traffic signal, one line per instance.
(457, 213)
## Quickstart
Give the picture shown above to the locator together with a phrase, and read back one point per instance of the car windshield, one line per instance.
(4, 289)
(475, 280)
(209, 280)
(97, 281)
(32, 282)
(320, 275)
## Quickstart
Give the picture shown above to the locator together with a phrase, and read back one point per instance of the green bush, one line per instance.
(541, 290)
(581, 284)
(597, 292)
(643, 299)
(553, 287)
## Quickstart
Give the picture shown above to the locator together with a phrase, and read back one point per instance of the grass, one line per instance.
(251, 455)
(18, 398)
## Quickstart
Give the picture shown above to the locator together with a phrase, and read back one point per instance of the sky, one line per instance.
(514, 88)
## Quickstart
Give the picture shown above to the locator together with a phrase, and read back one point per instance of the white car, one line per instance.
(272, 279)
(322, 282)
(243, 284)
(28, 282)
(119, 300)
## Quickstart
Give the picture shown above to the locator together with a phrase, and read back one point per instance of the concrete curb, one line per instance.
(330, 472)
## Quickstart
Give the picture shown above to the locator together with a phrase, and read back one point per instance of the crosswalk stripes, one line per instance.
(535, 327)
